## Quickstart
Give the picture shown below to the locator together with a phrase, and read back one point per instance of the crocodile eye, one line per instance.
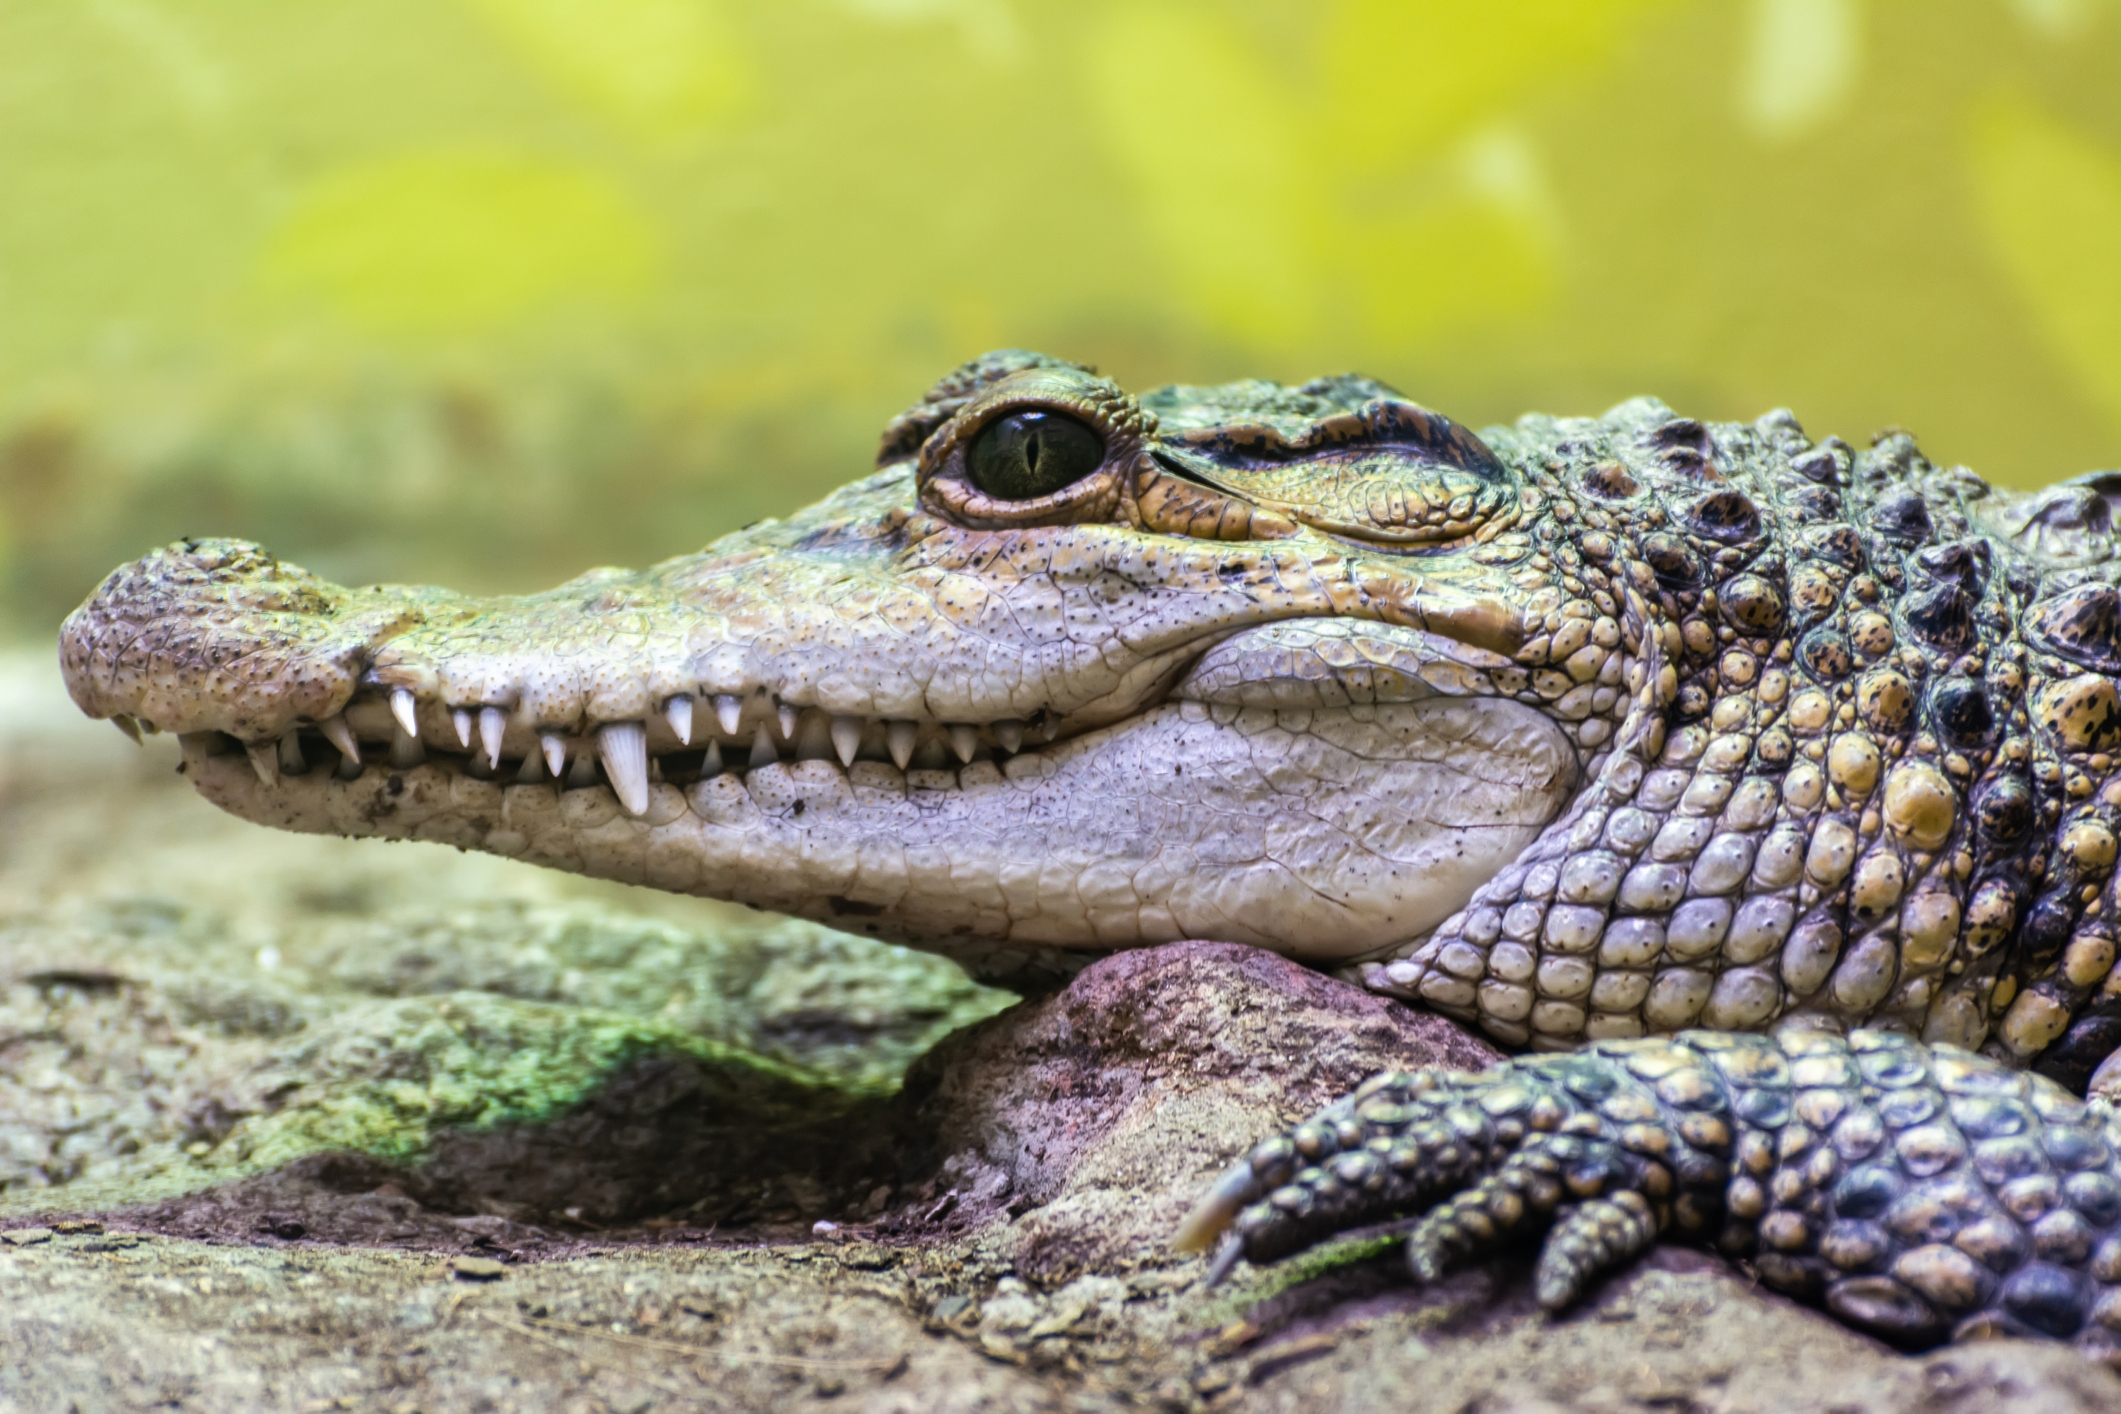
(1031, 454)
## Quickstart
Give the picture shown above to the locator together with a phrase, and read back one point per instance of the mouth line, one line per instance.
(736, 738)
(400, 715)
(695, 737)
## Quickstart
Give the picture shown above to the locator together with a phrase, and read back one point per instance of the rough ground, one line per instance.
(300, 1124)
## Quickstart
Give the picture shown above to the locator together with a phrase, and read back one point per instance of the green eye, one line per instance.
(1030, 454)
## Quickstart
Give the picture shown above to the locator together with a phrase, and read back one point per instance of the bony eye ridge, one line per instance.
(1032, 453)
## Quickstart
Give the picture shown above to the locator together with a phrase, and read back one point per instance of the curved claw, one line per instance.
(1226, 1260)
(1212, 1216)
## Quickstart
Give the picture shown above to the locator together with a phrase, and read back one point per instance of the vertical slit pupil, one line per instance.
(1033, 453)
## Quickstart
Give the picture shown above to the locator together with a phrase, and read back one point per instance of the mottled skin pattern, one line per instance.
(1585, 731)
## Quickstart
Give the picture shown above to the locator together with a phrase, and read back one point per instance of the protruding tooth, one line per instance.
(963, 740)
(788, 716)
(846, 738)
(406, 752)
(532, 770)
(291, 762)
(899, 737)
(340, 735)
(728, 711)
(402, 707)
(624, 749)
(1010, 733)
(130, 727)
(762, 749)
(678, 711)
(265, 760)
(493, 728)
(555, 748)
(1049, 728)
(712, 766)
(460, 718)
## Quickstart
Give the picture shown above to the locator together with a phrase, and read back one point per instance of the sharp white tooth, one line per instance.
(1010, 733)
(130, 727)
(762, 749)
(846, 738)
(712, 766)
(493, 728)
(555, 748)
(899, 737)
(678, 710)
(291, 762)
(402, 707)
(460, 718)
(532, 770)
(788, 716)
(265, 760)
(624, 749)
(728, 711)
(963, 740)
(340, 735)
(1050, 728)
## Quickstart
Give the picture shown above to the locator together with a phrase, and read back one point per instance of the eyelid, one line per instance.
(943, 480)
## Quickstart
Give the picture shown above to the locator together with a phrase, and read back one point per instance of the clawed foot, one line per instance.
(1917, 1192)
(1595, 1154)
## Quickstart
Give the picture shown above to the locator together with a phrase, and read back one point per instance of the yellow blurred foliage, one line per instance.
(640, 271)
(1803, 58)
(1369, 180)
(660, 69)
(444, 242)
(2050, 201)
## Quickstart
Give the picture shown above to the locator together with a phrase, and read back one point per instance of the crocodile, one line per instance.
(1757, 792)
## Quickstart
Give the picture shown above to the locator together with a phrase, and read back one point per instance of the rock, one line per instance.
(1095, 1116)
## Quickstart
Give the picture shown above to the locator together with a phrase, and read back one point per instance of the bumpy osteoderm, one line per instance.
(1580, 730)
(1916, 1192)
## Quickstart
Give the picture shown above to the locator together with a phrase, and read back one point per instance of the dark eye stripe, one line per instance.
(1033, 453)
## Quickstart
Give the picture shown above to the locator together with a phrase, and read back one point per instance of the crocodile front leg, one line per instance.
(1919, 1193)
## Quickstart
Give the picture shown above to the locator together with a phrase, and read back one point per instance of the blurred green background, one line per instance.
(491, 291)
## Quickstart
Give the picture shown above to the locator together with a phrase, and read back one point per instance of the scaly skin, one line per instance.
(1918, 1192)
(1581, 730)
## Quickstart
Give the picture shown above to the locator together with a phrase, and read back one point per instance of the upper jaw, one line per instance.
(939, 642)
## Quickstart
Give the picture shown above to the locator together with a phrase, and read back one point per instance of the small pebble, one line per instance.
(823, 1228)
(477, 1269)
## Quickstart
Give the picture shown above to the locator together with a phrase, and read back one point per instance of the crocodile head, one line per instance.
(1070, 671)
(1581, 727)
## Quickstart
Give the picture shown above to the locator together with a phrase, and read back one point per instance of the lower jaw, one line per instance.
(1321, 834)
